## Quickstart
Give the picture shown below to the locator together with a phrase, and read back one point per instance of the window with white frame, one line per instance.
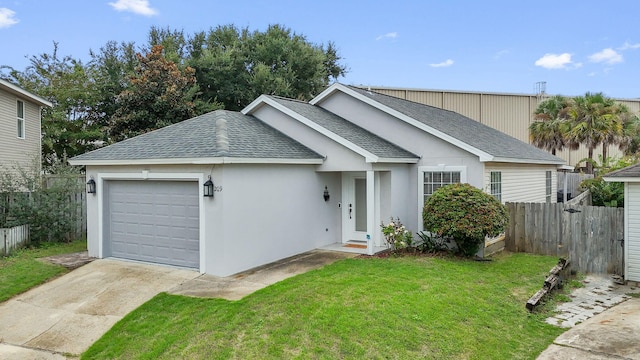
(496, 184)
(20, 118)
(548, 186)
(431, 178)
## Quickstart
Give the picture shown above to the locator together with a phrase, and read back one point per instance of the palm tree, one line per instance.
(593, 122)
(615, 133)
(629, 142)
(549, 131)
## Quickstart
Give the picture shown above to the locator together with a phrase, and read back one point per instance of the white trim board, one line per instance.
(145, 175)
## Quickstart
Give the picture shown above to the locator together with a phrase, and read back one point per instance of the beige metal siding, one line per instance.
(510, 113)
(522, 183)
(15, 151)
(468, 105)
(431, 98)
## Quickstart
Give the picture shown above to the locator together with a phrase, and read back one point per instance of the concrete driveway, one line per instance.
(68, 314)
(62, 318)
(612, 334)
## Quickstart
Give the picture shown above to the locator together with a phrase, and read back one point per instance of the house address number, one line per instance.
(217, 188)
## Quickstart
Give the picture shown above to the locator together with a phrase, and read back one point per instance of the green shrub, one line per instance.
(431, 243)
(397, 236)
(465, 214)
(47, 203)
(610, 194)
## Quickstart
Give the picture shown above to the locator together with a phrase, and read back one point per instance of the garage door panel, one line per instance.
(154, 221)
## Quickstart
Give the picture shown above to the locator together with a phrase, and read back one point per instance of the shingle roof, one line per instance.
(464, 129)
(216, 134)
(629, 171)
(347, 130)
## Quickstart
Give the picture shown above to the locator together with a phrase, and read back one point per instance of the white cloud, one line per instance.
(391, 35)
(140, 7)
(500, 54)
(7, 18)
(607, 56)
(445, 63)
(627, 46)
(556, 61)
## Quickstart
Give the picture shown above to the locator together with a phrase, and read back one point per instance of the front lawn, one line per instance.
(21, 271)
(398, 308)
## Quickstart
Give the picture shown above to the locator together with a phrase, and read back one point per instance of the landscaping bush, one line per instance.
(50, 208)
(465, 214)
(610, 194)
(397, 236)
(431, 243)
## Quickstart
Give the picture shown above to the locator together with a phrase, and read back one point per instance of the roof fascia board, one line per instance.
(528, 161)
(254, 105)
(370, 157)
(437, 133)
(399, 160)
(198, 161)
(630, 179)
(16, 90)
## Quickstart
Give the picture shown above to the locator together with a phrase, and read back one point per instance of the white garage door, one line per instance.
(153, 221)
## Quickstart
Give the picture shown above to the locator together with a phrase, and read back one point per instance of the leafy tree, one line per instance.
(466, 214)
(160, 94)
(234, 66)
(66, 127)
(111, 69)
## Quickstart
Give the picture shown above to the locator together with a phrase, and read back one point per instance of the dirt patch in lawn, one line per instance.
(69, 261)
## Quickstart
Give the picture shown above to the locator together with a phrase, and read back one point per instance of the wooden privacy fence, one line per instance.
(590, 236)
(13, 238)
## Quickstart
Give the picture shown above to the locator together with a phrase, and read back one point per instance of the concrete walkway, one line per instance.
(62, 318)
(603, 321)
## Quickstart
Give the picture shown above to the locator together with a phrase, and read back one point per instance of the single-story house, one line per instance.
(291, 176)
(630, 176)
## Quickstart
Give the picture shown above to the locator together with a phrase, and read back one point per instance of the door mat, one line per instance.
(355, 246)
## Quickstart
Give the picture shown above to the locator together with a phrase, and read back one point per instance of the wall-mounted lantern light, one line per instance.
(91, 186)
(208, 187)
(326, 194)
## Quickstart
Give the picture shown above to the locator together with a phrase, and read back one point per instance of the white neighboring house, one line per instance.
(272, 164)
(630, 176)
(20, 120)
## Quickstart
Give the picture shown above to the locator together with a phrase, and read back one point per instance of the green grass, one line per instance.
(397, 308)
(21, 271)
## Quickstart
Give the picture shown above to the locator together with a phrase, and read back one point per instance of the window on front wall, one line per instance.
(431, 178)
(496, 185)
(20, 118)
(548, 186)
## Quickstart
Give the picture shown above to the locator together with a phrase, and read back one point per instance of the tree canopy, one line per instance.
(159, 94)
(126, 89)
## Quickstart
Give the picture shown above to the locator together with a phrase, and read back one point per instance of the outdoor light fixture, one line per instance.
(208, 188)
(326, 194)
(91, 186)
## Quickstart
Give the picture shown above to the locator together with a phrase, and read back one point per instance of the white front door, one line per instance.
(354, 208)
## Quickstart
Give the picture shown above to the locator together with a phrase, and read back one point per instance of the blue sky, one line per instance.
(491, 46)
